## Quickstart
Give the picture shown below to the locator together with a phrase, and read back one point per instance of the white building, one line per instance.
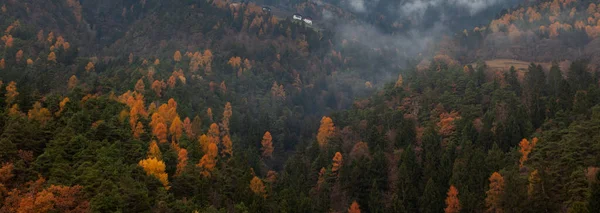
(307, 20)
(297, 17)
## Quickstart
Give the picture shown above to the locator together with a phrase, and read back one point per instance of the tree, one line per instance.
(89, 67)
(139, 86)
(72, 82)
(354, 208)
(187, 127)
(267, 145)
(203, 141)
(154, 151)
(399, 82)
(160, 131)
(19, 56)
(39, 113)
(177, 56)
(226, 116)
(214, 134)
(258, 187)
(227, 146)
(52, 57)
(157, 87)
(139, 130)
(452, 202)
(493, 200)
(208, 161)
(525, 149)
(182, 159)
(325, 131)
(209, 113)
(337, 162)
(176, 128)
(2, 64)
(11, 92)
(156, 168)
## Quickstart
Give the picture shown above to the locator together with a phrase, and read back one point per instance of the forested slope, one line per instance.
(184, 106)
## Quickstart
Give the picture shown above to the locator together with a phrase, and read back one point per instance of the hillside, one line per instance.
(219, 106)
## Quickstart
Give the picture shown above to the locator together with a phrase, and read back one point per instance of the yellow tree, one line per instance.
(325, 131)
(267, 145)
(208, 161)
(61, 105)
(452, 202)
(258, 187)
(337, 162)
(177, 56)
(209, 113)
(2, 64)
(39, 113)
(354, 208)
(493, 200)
(11, 92)
(213, 134)
(156, 168)
(72, 82)
(227, 146)
(154, 151)
(525, 148)
(89, 67)
(176, 128)
(399, 82)
(203, 141)
(52, 57)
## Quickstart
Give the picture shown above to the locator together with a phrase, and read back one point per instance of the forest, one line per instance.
(219, 106)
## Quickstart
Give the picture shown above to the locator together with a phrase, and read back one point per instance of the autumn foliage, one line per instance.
(525, 148)
(337, 162)
(267, 145)
(208, 161)
(493, 200)
(354, 207)
(258, 187)
(452, 202)
(325, 131)
(156, 168)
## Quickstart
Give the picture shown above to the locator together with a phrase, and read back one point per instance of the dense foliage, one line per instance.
(119, 106)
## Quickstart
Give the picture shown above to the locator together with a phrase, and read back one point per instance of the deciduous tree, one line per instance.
(177, 56)
(494, 195)
(156, 168)
(452, 202)
(72, 82)
(208, 161)
(337, 162)
(89, 67)
(176, 128)
(267, 145)
(182, 160)
(258, 187)
(354, 208)
(325, 131)
(52, 57)
(11, 92)
(227, 146)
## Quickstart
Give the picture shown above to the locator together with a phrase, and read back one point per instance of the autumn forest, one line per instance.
(228, 106)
